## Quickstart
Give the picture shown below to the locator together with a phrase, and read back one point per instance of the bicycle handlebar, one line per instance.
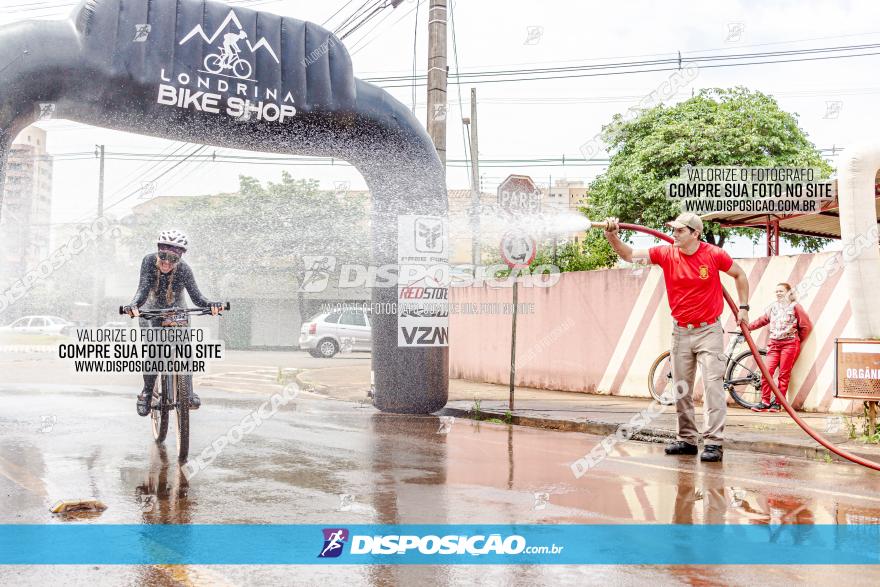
(156, 312)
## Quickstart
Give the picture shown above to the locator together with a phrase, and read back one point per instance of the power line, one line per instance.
(415, 53)
(624, 68)
(465, 139)
(341, 8)
(670, 60)
(352, 23)
(391, 26)
(367, 34)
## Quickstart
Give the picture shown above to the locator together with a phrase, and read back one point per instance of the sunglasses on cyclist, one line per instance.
(169, 256)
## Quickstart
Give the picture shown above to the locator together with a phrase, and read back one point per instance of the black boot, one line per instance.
(194, 401)
(680, 447)
(712, 453)
(143, 403)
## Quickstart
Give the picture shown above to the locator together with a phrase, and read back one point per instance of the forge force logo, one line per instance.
(334, 541)
(429, 233)
(225, 81)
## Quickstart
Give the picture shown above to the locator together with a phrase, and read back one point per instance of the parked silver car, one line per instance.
(342, 330)
(39, 325)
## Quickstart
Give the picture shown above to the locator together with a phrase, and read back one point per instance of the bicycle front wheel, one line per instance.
(182, 387)
(242, 69)
(159, 409)
(743, 379)
(660, 380)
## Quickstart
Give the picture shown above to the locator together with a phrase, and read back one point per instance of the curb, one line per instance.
(647, 434)
(658, 435)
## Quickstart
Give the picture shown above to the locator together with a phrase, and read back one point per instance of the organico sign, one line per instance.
(225, 83)
(858, 368)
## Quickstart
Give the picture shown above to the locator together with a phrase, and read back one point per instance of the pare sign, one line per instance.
(518, 193)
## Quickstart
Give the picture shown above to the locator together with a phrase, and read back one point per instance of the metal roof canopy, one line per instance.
(825, 223)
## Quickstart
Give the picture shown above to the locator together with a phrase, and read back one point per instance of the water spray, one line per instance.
(780, 397)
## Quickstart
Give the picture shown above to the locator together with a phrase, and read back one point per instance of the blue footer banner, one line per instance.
(205, 544)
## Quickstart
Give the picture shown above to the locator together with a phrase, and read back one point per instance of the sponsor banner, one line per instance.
(250, 544)
(225, 82)
(423, 304)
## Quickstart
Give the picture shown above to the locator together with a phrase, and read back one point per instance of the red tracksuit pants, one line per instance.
(780, 354)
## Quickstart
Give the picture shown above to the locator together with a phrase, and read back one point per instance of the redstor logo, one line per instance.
(423, 293)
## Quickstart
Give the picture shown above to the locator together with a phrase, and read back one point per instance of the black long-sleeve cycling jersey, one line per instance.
(183, 279)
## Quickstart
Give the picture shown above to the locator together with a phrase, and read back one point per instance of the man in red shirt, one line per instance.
(693, 286)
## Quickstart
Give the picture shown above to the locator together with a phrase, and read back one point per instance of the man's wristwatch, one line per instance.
(745, 307)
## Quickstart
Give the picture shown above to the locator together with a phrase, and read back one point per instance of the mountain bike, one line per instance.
(742, 377)
(172, 389)
(219, 62)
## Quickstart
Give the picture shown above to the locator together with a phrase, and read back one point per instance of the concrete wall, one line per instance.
(600, 331)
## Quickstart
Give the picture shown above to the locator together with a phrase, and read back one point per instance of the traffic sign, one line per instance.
(518, 193)
(518, 249)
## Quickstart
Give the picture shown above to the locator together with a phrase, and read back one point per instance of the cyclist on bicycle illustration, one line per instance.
(228, 59)
(230, 47)
(163, 277)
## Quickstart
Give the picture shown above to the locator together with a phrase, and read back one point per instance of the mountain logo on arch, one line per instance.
(227, 61)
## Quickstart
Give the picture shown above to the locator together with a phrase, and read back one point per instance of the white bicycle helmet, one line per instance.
(173, 238)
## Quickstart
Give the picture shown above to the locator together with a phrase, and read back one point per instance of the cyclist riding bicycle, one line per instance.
(230, 46)
(164, 276)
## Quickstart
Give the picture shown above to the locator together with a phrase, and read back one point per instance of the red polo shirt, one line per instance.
(693, 284)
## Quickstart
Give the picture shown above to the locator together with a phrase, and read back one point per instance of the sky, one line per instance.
(834, 99)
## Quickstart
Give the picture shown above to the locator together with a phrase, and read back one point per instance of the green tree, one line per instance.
(593, 252)
(716, 127)
(260, 234)
(265, 228)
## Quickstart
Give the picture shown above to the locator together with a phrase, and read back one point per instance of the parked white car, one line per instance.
(343, 330)
(37, 325)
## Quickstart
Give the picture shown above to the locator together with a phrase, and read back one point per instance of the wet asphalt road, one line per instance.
(321, 461)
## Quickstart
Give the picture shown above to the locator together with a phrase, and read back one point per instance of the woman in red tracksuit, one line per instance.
(789, 327)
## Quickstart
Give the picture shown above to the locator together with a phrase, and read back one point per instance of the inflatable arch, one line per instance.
(857, 176)
(167, 69)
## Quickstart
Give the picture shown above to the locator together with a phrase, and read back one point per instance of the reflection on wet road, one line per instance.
(329, 462)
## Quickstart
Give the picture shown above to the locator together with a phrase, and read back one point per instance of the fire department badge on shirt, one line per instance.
(704, 272)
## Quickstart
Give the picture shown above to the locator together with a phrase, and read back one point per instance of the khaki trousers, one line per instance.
(703, 346)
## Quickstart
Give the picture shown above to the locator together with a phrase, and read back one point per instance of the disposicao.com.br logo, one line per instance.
(430, 544)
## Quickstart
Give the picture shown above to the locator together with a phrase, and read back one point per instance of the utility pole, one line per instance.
(98, 298)
(475, 182)
(100, 152)
(437, 71)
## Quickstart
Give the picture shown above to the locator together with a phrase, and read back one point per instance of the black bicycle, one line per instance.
(742, 377)
(172, 389)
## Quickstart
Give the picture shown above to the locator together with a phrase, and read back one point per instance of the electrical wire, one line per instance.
(465, 139)
(341, 8)
(354, 47)
(595, 70)
(415, 53)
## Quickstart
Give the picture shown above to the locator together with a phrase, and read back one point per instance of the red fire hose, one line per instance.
(780, 397)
